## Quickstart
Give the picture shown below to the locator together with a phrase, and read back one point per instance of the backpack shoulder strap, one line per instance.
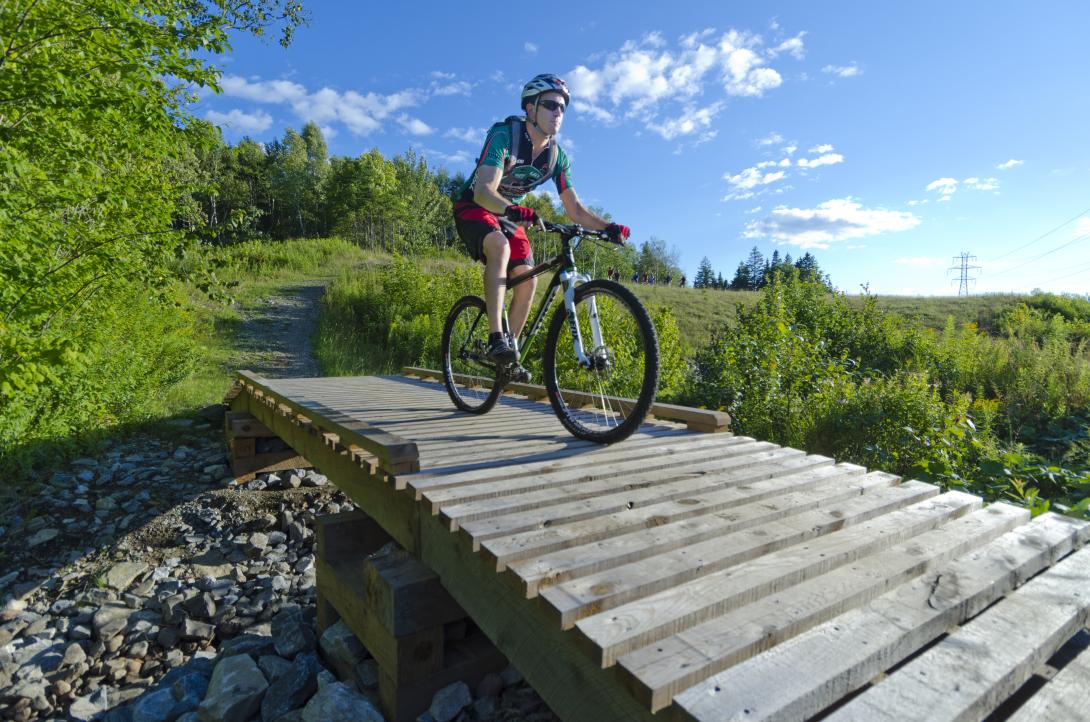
(516, 124)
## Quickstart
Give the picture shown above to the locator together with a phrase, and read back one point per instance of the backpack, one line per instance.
(518, 125)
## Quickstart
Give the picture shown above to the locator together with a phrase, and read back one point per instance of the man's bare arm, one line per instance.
(486, 192)
(579, 213)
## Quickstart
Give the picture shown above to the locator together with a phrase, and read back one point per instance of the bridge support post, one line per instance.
(419, 636)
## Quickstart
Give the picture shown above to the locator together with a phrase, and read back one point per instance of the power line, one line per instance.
(1085, 268)
(1083, 237)
(1043, 235)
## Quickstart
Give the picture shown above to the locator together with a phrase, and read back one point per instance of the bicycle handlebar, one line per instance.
(571, 230)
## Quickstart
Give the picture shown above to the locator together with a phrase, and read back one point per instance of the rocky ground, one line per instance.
(144, 583)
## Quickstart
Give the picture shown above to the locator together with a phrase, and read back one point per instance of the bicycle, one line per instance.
(602, 394)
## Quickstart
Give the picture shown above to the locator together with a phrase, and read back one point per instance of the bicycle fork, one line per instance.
(569, 280)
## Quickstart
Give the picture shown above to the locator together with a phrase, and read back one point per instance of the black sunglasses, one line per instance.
(552, 105)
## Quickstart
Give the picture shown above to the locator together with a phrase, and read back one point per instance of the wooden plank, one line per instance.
(572, 454)
(1064, 697)
(241, 448)
(410, 657)
(403, 595)
(764, 462)
(547, 570)
(702, 419)
(396, 453)
(673, 592)
(657, 672)
(800, 677)
(792, 484)
(347, 535)
(479, 501)
(724, 572)
(394, 512)
(565, 677)
(967, 674)
(248, 428)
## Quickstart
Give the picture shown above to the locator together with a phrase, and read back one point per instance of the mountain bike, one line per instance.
(600, 359)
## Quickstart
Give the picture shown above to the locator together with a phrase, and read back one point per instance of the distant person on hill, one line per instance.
(519, 154)
(669, 279)
(635, 277)
(682, 283)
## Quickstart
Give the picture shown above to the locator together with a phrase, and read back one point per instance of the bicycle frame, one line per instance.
(567, 276)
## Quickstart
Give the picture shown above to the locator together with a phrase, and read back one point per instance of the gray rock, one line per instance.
(273, 666)
(74, 654)
(91, 706)
(485, 707)
(122, 575)
(292, 633)
(510, 676)
(367, 674)
(235, 692)
(249, 644)
(449, 701)
(337, 702)
(490, 686)
(194, 630)
(292, 688)
(156, 706)
(342, 650)
(202, 606)
(110, 619)
(42, 537)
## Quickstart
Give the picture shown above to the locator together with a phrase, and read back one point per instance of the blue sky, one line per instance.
(885, 138)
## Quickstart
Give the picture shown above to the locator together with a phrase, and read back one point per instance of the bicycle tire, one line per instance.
(628, 337)
(467, 325)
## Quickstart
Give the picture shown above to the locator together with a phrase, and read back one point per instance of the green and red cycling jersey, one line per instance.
(522, 174)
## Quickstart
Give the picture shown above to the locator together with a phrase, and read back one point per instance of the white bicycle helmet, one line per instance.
(543, 84)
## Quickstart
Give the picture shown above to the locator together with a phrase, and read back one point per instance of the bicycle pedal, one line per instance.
(521, 375)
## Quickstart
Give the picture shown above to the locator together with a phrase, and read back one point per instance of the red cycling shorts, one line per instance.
(474, 223)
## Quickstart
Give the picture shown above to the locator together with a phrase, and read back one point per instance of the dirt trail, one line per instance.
(276, 336)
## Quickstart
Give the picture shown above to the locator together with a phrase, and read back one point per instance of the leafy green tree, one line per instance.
(93, 139)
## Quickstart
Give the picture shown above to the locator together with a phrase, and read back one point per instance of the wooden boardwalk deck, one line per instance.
(701, 576)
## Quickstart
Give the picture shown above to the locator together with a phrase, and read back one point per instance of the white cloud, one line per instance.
(793, 46)
(362, 114)
(827, 159)
(529, 47)
(843, 71)
(772, 138)
(945, 186)
(466, 135)
(459, 87)
(981, 184)
(1012, 163)
(921, 262)
(1082, 227)
(824, 148)
(834, 220)
(694, 120)
(414, 126)
(240, 122)
(460, 157)
(644, 78)
(745, 184)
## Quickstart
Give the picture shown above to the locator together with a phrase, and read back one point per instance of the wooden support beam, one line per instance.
(703, 420)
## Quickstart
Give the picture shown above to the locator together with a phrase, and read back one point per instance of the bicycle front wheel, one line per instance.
(469, 376)
(608, 400)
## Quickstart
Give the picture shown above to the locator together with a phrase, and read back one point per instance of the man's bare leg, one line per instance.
(497, 253)
(522, 298)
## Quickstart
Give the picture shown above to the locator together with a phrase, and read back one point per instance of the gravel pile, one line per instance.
(145, 584)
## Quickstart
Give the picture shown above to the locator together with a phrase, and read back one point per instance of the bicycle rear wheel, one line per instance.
(469, 376)
(607, 402)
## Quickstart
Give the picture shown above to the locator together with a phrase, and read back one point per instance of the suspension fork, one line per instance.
(569, 279)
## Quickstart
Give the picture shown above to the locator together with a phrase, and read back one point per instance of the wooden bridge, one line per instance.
(703, 576)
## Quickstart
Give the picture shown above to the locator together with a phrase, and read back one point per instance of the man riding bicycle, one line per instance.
(519, 155)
